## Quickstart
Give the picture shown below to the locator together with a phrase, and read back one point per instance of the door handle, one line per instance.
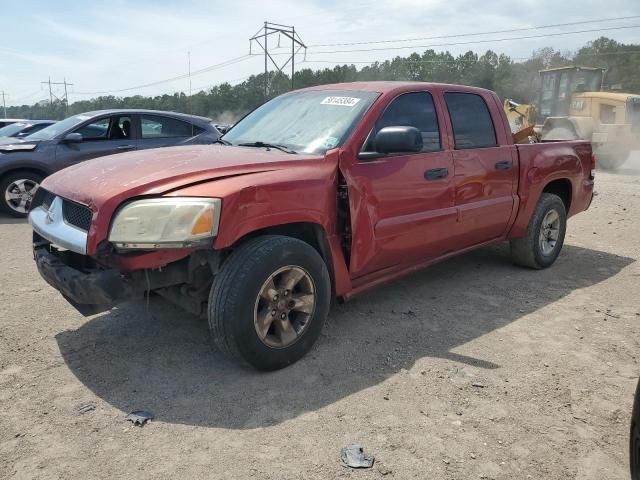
(125, 147)
(504, 165)
(436, 173)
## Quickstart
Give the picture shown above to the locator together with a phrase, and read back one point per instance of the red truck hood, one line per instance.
(156, 171)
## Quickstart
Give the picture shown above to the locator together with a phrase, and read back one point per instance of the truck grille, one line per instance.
(74, 214)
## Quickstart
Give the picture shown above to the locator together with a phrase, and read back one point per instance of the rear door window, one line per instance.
(155, 126)
(471, 121)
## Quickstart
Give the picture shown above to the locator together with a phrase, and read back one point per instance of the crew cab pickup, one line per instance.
(316, 195)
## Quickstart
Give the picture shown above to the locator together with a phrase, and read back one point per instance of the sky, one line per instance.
(119, 46)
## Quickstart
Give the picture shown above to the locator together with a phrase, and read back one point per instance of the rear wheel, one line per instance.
(544, 238)
(268, 303)
(17, 191)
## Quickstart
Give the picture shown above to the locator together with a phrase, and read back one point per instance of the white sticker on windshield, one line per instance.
(341, 101)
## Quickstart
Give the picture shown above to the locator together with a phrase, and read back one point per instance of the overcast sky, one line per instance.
(115, 44)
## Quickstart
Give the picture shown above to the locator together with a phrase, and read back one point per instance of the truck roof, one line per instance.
(392, 86)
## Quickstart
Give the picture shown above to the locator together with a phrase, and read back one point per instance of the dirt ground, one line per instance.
(472, 369)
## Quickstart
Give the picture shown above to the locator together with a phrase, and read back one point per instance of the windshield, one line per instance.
(52, 131)
(11, 129)
(310, 122)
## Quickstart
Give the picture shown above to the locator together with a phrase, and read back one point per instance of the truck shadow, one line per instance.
(161, 359)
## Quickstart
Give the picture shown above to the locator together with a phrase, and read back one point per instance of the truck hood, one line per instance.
(153, 172)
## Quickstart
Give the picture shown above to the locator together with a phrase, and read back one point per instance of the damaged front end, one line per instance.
(92, 287)
(123, 268)
(89, 288)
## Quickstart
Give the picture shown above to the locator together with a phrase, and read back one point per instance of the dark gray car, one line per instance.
(24, 163)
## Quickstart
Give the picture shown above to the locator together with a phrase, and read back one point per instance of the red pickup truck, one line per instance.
(320, 193)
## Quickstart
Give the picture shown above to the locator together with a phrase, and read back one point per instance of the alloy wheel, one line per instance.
(284, 307)
(19, 194)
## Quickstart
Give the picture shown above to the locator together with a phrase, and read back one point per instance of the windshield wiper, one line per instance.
(223, 141)
(268, 145)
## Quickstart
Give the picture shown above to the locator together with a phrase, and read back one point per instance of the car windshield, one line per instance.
(310, 121)
(11, 129)
(52, 131)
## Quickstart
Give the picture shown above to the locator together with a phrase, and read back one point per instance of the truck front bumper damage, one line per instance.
(89, 290)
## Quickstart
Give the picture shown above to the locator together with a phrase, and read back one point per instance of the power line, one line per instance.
(262, 37)
(478, 41)
(172, 79)
(65, 97)
(511, 30)
(457, 60)
(25, 96)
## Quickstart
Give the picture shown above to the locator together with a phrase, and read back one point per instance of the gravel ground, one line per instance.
(472, 369)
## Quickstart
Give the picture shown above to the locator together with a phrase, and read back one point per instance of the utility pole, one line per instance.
(4, 104)
(65, 98)
(262, 39)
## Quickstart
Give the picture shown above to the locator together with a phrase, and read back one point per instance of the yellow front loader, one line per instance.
(572, 105)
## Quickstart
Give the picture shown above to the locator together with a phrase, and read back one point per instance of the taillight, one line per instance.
(593, 166)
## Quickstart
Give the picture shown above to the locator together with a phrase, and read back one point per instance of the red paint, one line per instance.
(400, 222)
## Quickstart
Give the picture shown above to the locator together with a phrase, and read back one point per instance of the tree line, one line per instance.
(510, 79)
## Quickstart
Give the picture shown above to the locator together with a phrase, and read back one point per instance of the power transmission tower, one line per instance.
(64, 99)
(4, 104)
(262, 39)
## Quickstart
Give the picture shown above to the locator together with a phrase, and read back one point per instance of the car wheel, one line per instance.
(269, 301)
(544, 238)
(17, 191)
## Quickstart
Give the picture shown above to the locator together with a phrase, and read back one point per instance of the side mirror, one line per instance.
(73, 137)
(398, 140)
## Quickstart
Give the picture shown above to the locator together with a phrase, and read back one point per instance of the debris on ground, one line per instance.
(86, 407)
(140, 417)
(353, 456)
(478, 385)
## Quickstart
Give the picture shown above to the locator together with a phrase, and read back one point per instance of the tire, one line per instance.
(22, 187)
(529, 251)
(634, 438)
(242, 302)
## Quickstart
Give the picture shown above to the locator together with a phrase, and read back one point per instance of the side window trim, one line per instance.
(392, 155)
(453, 132)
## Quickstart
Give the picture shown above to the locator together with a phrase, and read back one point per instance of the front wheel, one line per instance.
(544, 238)
(269, 301)
(17, 191)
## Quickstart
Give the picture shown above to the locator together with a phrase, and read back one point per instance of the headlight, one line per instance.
(166, 223)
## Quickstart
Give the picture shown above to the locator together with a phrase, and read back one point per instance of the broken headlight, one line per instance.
(166, 223)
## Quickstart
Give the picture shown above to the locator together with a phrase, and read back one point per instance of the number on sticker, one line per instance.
(341, 101)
